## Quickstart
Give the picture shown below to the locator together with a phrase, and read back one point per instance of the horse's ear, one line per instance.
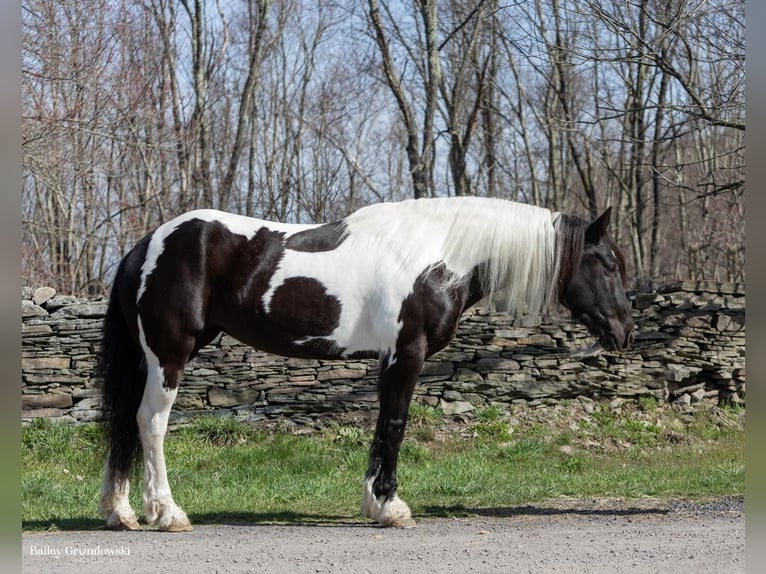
(598, 228)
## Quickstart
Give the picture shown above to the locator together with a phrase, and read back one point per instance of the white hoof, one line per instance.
(167, 516)
(116, 521)
(118, 513)
(391, 511)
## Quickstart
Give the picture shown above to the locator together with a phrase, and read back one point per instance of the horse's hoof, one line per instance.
(178, 528)
(123, 524)
(166, 516)
(398, 522)
(406, 523)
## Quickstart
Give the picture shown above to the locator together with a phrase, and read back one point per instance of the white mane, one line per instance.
(515, 241)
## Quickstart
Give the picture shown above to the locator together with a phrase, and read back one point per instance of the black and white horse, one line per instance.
(388, 281)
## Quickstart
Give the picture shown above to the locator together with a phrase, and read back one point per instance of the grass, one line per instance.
(222, 470)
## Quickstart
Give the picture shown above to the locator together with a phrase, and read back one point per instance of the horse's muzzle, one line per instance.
(618, 336)
(626, 341)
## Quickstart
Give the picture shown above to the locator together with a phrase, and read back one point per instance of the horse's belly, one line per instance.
(337, 305)
(276, 339)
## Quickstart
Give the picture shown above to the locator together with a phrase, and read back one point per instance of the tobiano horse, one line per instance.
(389, 281)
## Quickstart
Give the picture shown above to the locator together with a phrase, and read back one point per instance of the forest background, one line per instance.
(302, 111)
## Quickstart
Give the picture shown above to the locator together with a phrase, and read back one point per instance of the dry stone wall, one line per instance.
(690, 346)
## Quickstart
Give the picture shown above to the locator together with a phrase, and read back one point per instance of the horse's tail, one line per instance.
(123, 369)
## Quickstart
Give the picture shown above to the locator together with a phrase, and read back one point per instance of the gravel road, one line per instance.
(569, 536)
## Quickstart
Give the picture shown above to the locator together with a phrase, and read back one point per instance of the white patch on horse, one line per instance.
(370, 296)
(152, 416)
(388, 246)
(237, 224)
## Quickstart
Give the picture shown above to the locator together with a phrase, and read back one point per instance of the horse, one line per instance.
(389, 281)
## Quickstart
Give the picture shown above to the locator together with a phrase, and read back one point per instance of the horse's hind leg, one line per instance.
(114, 505)
(161, 388)
(397, 383)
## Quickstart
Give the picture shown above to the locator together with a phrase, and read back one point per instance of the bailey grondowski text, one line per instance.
(98, 550)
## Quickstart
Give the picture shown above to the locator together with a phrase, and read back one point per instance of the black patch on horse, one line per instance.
(203, 261)
(253, 262)
(323, 238)
(432, 311)
(302, 307)
(204, 278)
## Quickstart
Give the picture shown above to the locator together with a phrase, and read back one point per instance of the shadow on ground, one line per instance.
(330, 520)
(529, 510)
(218, 518)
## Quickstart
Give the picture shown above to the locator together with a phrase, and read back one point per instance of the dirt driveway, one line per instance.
(570, 536)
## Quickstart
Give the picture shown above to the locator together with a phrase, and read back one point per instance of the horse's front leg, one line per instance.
(396, 385)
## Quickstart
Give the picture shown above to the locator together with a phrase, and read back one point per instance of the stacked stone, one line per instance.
(690, 346)
(231, 378)
(60, 344)
(693, 338)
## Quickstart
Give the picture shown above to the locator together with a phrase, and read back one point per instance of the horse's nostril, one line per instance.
(630, 339)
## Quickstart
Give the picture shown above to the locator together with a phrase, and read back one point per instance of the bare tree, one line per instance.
(466, 73)
(675, 121)
(137, 110)
(424, 56)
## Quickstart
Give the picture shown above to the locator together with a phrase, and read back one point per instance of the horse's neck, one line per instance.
(474, 289)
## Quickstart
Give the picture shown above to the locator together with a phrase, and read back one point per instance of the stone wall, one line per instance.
(690, 346)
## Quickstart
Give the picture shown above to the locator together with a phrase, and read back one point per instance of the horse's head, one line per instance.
(594, 290)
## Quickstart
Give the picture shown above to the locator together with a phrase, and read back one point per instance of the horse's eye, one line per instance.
(610, 268)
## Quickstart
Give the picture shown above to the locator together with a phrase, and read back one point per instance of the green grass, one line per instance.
(222, 470)
(491, 425)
